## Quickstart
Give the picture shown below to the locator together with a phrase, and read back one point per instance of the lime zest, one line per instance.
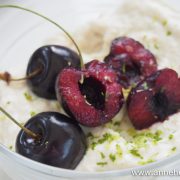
(102, 155)
(156, 46)
(168, 33)
(173, 149)
(119, 150)
(10, 147)
(136, 153)
(32, 113)
(124, 68)
(146, 162)
(107, 137)
(171, 136)
(112, 157)
(28, 96)
(101, 163)
(164, 22)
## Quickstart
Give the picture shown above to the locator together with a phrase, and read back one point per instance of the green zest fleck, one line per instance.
(165, 22)
(145, 86)
(10, 147)
(171, 136)
(101, 163)
(89, 135)
(119, 150)
(112, 157)
(107, 137)
(124, 68)
(135, 152)
(102, 155)
(140, 141)
(157, 135)
(126, 92)
(141, 138)
(32, 113)
(168, 33)
(2, 118)
(173, 149)
(146, 162)
(131, 132)
(156, 46)
(28, 96)
(117, 123)
(9, 102)
(93, 145)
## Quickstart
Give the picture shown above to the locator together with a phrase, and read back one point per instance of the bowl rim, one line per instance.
(60, 172)
(66, 173)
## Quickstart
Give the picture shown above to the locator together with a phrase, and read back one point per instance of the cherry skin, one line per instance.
(131, 61)
(154, 99)
(92, 96)
(50, 60)
(62, 143)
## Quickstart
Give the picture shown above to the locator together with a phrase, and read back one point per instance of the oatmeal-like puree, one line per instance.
(115, 145)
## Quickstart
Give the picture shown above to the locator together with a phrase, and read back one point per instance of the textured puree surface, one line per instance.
(116, 145)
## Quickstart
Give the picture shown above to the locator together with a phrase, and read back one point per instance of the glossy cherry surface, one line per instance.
(62, 143)
(50, 60)
(92, 96)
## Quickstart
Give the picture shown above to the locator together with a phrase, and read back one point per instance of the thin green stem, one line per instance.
(31, 75)
(27, 131)
(49, 20)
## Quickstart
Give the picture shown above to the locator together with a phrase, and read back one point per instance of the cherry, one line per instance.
(154, 99)
(46, 62)
(131, 61)
(92, 96)
(62, 143)
(50, 60)
(51, 138)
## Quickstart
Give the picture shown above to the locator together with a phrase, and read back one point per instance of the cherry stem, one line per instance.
(7, 76)
(51, 21)
(31, 75)
(27, 131)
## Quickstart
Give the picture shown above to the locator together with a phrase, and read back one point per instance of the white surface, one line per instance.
(4, 176)
(45, 7)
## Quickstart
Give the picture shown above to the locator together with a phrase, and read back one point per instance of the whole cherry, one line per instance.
(51, 138)
(46, 62)
(62, 143)
(50, 60)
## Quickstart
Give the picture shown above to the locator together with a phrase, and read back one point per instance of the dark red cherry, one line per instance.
(131, 61)
(154, 99)
(92, 96)
(62, 143)
(50, 60)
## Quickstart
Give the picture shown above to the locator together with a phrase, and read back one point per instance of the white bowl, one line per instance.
(22, 32)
